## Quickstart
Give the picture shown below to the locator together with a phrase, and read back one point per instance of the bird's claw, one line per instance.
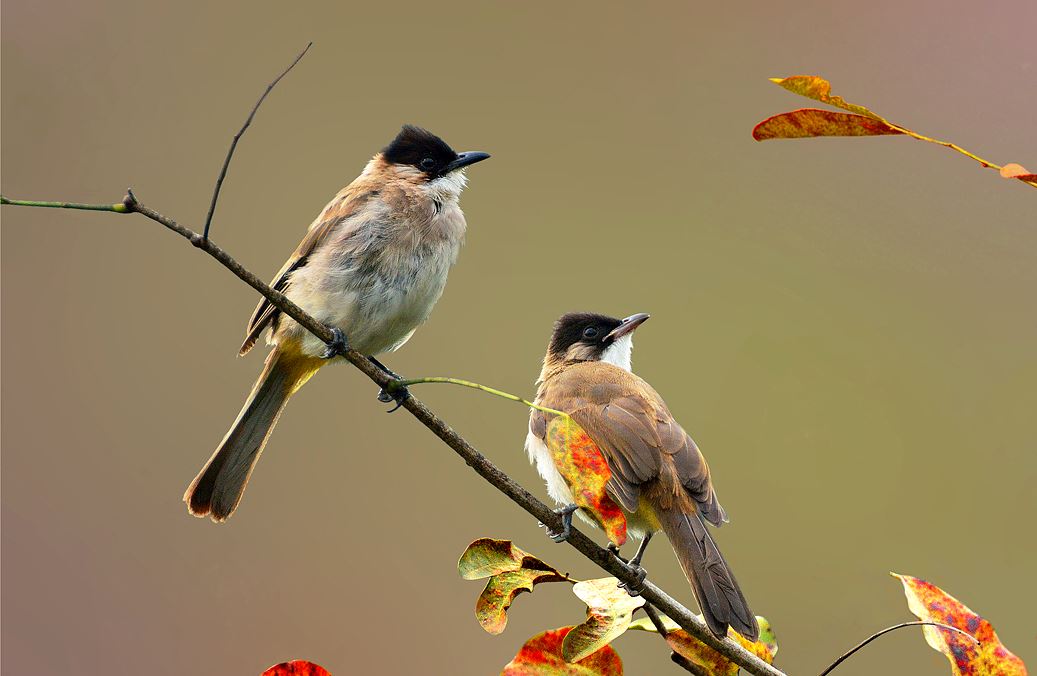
(567, 523)
(338, 345)
(397, 393)
(634, 567)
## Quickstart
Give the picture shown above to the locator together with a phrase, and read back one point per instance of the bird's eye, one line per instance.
(428, 163)
(590, 332)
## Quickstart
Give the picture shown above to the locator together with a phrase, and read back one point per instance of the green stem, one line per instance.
(118, 208)
(475, 386)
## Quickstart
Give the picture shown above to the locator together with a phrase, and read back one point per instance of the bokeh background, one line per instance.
(847, 327)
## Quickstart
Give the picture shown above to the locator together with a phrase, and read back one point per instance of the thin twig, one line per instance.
(118, 208)
(656, 619)
(234, 143)
(886, 631)
(406, 382)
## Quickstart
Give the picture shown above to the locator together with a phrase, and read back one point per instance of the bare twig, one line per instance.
(874, 636)
(234, 143)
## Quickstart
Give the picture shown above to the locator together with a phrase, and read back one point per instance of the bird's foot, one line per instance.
(338, 345)
(633, 566)
(567, 523)
(394, 392)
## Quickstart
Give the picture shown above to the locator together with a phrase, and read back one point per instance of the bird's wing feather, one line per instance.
(348, 202)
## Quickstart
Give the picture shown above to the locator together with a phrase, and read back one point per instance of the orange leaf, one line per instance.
(820, 89)
(511, 572)
(1013, 170)
(714, 664)
(586, 472)
(609, 611)
(930, 603)
(542, 656)
(810, 122)
(296, 668)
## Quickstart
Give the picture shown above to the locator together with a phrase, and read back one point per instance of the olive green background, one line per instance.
(847, 327)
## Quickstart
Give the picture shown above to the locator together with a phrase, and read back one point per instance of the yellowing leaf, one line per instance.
(296, 668)
(1013, 170)
(586, 472)
(811, 122)
(609, 611)
(511, 572)
(930, 603)
(819, 89)
(542, 656)
(714, 664)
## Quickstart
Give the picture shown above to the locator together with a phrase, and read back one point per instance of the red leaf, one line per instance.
(542, 656)
(296, 668)
(1013, 170)
(930, 603)
(812, 122)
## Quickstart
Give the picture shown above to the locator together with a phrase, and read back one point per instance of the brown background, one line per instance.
(846, 326)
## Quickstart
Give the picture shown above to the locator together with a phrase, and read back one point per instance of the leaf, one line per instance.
(542, 656)
(715, 664)
(511, 572)
(930, 603)
(296, 668)
(609, 611)
(586, 472)
(812, 122)
(1013, 170)
(820, 89)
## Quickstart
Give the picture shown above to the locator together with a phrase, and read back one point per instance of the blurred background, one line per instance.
(846, 327)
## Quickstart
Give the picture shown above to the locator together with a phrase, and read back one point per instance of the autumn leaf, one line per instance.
(609, 611)
(930, 603)
(586, 472)
(542, 656)
(715, 664)
(511, 572)
(810, 122)
(296, 668)
(860, 121)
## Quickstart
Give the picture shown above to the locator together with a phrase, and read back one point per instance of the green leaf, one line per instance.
(712, 662)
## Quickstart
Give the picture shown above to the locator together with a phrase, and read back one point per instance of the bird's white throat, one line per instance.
(618, 353)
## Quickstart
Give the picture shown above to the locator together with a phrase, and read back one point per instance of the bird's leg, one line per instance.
(338, 345)
(399, 394)
(567, 523)
(634, 566)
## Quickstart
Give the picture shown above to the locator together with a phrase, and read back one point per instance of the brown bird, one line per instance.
(372, 265)
(658, 475)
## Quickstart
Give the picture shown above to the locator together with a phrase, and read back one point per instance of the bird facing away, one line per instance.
(372, 265)
(658, 476)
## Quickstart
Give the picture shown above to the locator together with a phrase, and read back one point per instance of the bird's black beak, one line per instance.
(464, 159)
(628, 326)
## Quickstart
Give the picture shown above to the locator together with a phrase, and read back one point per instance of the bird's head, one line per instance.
(421, 156)
(584, 336)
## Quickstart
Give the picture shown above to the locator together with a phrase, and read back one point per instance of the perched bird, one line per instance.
(658, 476)
(372, 266)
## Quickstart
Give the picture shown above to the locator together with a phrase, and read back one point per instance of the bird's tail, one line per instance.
(217, 489)
(716, 590)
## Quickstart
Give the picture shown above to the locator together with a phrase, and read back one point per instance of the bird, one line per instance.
(371, 266)
(658, 476)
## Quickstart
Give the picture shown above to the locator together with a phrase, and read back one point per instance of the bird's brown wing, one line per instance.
(345, 204)
(635, 431)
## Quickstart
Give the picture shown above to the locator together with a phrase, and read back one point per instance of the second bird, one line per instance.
(373, 264)
(658, 475)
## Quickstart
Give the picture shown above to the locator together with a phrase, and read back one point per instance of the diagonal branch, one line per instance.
(472, 457)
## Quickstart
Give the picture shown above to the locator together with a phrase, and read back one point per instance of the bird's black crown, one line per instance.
(419, 148)
(576, 327)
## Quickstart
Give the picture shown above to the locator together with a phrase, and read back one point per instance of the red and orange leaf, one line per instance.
(542, 656)
(296, 668)
(714, 664)
(813, 122)
(585, 470)
(511, 572)
(609, 611)
(820, 89)
(930, 603)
